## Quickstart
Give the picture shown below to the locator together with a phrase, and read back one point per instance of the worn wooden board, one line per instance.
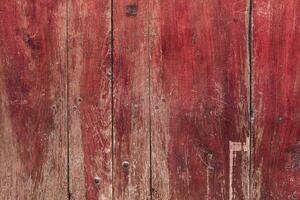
(131, 119)
(136, 99)
(89, 92)
(199, 99)
(33, 139)
(276, 99)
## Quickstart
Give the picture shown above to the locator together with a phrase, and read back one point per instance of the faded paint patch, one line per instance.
(235, 147)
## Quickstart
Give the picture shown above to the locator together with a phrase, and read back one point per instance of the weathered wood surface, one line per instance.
(89, 89)
(103, 99)
(276, 99)
(199, 99)
(131, 168)
(33, 142)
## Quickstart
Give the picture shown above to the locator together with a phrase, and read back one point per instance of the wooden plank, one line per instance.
(33, 139)
(199, 99)
(131, 177)
(90, 111)
(276, 98)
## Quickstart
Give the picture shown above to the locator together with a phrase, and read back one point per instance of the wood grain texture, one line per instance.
(90, 110)
(149, 99)
(276, 98)
(33, 139)
(199, 99)
(131, 101)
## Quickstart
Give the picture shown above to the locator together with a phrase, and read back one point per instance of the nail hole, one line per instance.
(79, 99)
(97, 180)
(54, 108)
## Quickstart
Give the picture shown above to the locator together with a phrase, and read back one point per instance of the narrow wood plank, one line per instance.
(33, 139)
(276, 97)
(199, 99)
(90, 111)
(131, 101)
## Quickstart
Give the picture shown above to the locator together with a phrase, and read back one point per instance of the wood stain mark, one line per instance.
(131, 10)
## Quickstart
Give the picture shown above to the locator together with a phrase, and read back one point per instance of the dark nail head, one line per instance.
(96, 179)
(125, 165)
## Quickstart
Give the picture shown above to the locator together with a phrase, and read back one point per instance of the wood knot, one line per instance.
(32, 41)
(153, 190)
(131, 10)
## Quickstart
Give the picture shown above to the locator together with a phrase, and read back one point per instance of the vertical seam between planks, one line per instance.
(112, 91)
(67, 98)
(250, 63)
(149, 99)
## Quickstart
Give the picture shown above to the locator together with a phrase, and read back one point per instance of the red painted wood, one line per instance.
(90, 110)
(276, 94)
(33, 142)
(199, 99)
(169, 118)
(131, 171)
